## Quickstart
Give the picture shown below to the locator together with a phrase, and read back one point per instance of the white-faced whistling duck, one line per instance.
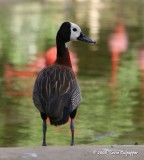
(56, 92)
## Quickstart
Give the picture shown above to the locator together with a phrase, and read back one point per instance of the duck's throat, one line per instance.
(63, 56)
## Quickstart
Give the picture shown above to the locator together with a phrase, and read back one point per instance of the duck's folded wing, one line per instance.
(76, 97)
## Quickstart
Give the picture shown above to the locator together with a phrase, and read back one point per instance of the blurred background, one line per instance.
(110, 73)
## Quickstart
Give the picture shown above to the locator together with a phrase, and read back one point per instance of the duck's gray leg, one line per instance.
(44, 126)
(72, 131)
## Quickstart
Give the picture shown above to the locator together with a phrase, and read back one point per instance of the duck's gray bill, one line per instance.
(84, 38)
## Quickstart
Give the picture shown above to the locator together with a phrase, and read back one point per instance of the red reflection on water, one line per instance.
(141, 63)
(11, 76)
(17, 78)
(29, 72)
(117, 43)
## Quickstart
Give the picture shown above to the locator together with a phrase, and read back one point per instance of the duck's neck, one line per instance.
(63, 56)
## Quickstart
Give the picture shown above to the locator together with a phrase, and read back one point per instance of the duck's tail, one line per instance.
(62, 119)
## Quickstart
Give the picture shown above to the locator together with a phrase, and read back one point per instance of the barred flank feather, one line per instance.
(56, 93)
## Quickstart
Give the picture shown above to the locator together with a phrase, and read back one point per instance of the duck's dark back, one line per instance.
(56, 93)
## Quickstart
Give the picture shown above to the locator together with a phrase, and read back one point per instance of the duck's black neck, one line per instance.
(63, 57)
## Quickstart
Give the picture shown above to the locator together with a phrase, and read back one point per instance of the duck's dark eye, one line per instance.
(74, 29)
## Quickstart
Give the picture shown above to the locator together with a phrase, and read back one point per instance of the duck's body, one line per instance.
(56, 91)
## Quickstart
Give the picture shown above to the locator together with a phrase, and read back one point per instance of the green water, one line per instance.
(111, 113)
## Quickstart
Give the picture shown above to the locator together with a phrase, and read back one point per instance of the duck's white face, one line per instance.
(75, 32)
